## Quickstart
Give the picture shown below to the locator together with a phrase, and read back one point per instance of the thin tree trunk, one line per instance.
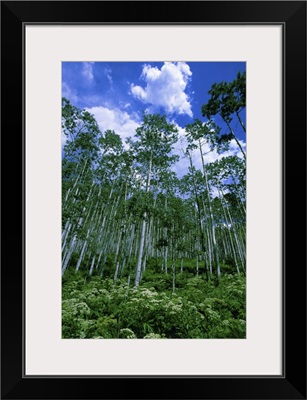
(241, 122)
(92, 266)
(237, 141)
(141, 248)
(215, 248)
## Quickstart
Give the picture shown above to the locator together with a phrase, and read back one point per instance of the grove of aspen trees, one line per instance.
(145, 253)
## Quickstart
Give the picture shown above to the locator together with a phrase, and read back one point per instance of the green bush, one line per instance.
(98, 308)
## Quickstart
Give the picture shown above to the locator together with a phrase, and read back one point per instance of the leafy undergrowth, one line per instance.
(97, 308)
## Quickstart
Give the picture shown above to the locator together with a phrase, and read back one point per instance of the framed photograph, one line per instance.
(161, 152)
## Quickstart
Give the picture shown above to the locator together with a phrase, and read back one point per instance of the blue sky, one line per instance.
(117, 93)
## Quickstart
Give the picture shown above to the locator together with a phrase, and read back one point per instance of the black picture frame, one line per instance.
(292, 16)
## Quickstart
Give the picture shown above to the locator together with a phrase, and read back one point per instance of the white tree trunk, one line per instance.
(141, 248)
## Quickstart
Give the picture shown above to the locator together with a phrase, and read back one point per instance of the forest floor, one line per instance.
(96, 307)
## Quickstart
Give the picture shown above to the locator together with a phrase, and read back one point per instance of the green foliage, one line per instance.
(226, 98)
(127, 218)
(98, 308)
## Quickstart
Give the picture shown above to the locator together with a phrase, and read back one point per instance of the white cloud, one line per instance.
(87, 70)
(108, 73)
(211, 156)
(182, 166)
(115, 119)
(165, 88)
(69, 93)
